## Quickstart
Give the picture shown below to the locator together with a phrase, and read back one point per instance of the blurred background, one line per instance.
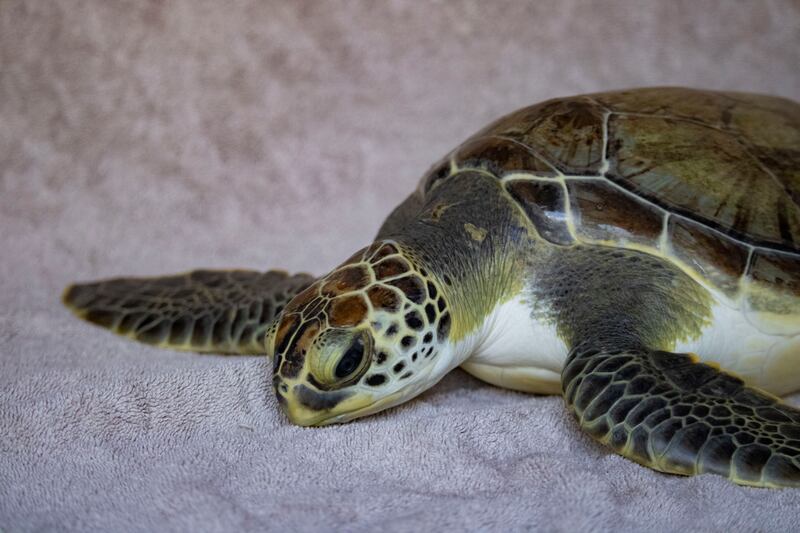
(147, 137)
(150, 136)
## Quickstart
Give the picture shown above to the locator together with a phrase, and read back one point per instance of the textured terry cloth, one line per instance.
(152, 137)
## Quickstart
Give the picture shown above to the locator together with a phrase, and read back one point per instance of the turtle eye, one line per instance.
(351, 360)
(339, 358)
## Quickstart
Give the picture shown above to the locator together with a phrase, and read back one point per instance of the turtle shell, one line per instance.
(708, 180)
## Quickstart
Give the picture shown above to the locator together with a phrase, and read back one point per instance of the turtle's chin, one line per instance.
(376, 406)
(306, 407)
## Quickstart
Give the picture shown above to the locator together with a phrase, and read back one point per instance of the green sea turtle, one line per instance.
(636, 251)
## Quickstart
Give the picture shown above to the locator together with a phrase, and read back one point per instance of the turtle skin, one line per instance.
(705, 181)
(212, 311)
(621, 217)
(671, 413)
(658, 201)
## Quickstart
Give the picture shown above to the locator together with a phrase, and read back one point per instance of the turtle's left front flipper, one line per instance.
(217, 311)
(671, 413)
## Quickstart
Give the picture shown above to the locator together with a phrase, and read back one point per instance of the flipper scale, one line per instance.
(683, 417)
(216, 311)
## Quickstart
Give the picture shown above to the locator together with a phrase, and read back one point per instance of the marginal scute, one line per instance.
(604, 213)
(773, 292)
(715, 257)
(544, 203)
(202, 330)
(500, 156)
(782, 271)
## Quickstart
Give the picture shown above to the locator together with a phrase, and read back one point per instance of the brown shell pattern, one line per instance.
(709, 178)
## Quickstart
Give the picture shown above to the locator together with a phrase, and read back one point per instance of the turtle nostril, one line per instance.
(281, 398)
(281, 389)
(278, 384)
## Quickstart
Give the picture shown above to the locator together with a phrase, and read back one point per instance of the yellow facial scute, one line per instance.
(303, 416)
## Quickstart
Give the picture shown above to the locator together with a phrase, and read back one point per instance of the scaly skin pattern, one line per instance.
(617, 226)
(212, 311)
(673, 414)
(386, 304)
(414, 303)
(620, 311)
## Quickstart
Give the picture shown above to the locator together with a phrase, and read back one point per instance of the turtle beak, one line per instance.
(298, 414)
(305, 406)
(302, 416)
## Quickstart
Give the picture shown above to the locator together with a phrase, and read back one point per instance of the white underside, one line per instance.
(767, 361)
(517, 352)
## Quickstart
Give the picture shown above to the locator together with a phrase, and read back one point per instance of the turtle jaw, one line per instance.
(303, 416)
(305, 406)
(355, 406)
(362, 405)
(364, 338)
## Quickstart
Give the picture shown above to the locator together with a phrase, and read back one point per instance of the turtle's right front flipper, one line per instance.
(674, 414)
(217, 311)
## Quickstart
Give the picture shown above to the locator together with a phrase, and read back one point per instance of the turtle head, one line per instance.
(369, 335)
